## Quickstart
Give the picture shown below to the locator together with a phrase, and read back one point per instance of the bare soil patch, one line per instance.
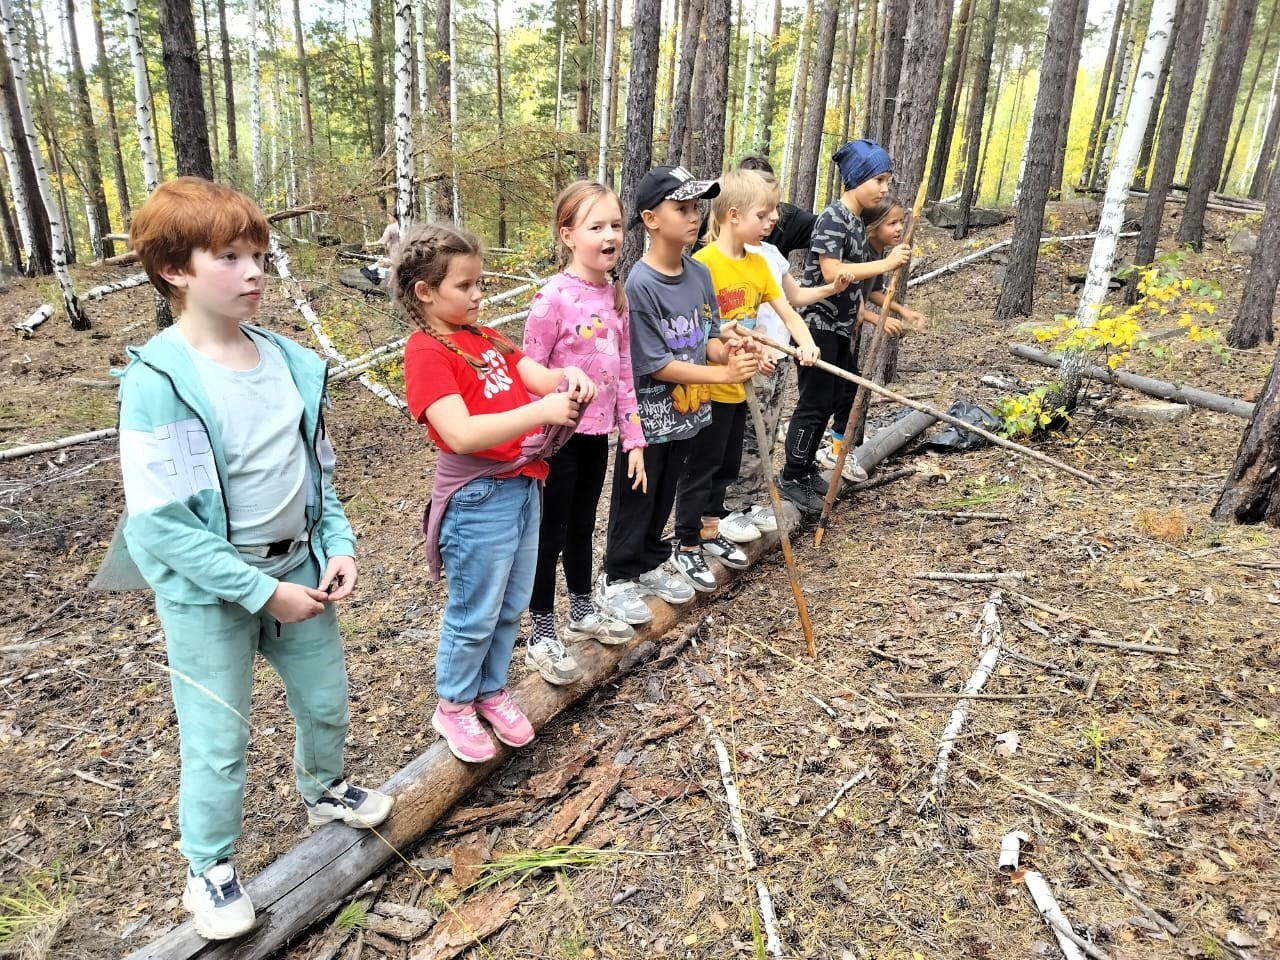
(1161, 767)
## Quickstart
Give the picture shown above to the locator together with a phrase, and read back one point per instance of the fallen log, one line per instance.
(889, 440)
(309, 881)
(1148, 385)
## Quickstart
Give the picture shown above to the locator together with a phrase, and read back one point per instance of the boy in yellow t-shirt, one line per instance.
(743, 282)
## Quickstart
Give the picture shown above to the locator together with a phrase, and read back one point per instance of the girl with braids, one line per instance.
(471, 387)
(580, 317)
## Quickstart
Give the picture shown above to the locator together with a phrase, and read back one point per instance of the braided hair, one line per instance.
(424, 257)
(574, 202)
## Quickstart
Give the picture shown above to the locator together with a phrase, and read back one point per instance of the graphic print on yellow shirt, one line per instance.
(742, 284)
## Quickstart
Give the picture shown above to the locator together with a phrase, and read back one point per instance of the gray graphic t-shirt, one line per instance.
(672, 318)
(838, 233)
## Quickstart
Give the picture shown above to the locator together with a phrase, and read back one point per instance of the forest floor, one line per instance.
(1152, 771)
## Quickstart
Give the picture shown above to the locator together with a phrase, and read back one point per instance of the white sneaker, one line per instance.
(852, 471)
(666, 583)
(220, 909)
(763, 519)
(597, 626)
(693, 567)
(555, 664)
(358, 806)
(739, 528)
(622, 600)
(727, 552)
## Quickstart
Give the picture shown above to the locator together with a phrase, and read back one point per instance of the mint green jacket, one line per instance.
(176, 522)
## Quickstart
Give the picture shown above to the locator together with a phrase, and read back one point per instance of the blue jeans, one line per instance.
(489, 544)
(212, 647)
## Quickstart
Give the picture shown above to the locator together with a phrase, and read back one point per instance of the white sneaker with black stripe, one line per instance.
(357, 806)
(693, 568)
(220, 909)
(727, 552)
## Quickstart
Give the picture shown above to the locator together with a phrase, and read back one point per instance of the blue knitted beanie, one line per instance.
(860, 160)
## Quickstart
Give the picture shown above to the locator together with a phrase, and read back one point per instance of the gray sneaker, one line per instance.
(622, 600)
(666, 583)
(597, 626)
(549, 657)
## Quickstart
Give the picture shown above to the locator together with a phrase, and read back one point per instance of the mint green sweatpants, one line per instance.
(211, 649)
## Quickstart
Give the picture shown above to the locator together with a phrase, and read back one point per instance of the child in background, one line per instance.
(234, 522)
(742, 282)
(580, 317)
(471, 387)
(884, 222)
(838, 247)
(747, 497)
(675, 327)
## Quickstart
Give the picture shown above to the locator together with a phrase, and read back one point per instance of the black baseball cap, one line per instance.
(670, 183)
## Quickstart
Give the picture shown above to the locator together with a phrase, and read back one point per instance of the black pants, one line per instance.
(637, 519)
(712, 465)
(822, 396)
(574, 480)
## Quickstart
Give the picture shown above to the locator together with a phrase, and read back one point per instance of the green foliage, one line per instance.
(32, 910)
(1095, 738)
(523, 864)
(353, 917)
(1024, 415)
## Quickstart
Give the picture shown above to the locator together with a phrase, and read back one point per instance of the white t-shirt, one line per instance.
(258, 415)
(767, 320)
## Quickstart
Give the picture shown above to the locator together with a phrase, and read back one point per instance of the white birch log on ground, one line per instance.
(773, 943)
(406, 188)
(1047, 904)
(57, 229)
(13, 453)
(141, 98)
(28, 326)
(310, 881)
(98, 292)
(1176, 392)
(990, 639)
(303, 306)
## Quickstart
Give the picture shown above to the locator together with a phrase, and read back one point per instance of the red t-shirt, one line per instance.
(432, 371)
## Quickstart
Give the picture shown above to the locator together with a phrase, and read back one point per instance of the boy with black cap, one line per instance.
(838, 247)
(675, 328)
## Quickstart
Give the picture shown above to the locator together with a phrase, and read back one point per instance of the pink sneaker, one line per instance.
(507, 719)
(462, 731)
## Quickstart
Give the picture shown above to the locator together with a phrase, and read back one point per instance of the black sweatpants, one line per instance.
(822, 396)
(570, 498)
(712, 465)
(636, 518)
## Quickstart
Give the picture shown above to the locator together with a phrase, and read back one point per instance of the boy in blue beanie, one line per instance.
(837, 248)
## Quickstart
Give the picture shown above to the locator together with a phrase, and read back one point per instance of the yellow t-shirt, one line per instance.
(742, 284)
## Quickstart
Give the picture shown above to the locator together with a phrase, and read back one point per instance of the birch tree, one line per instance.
(1100, 106)
(455, 205)
(606, 91)
(22, 104)
(18, 182)
(1220, 99)
(1119, 92)
(406, 200)
(1120, 176)
(1248, 99)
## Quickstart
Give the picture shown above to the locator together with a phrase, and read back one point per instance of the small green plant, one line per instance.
(518, 866)
(1095, 739)
(353, 917)
(34, 910)
(1022, 415)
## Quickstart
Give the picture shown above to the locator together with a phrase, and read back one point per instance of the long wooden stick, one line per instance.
(766, 465)
(944, 417)
(861, 399)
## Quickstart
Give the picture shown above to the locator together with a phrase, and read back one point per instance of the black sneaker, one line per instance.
(693, 568)
(727, 552)
(801, 494)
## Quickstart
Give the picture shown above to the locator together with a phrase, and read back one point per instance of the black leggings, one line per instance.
(569, 503)
(822, 396)
(713, 464)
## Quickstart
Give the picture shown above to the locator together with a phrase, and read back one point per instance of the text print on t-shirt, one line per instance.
(495, 376)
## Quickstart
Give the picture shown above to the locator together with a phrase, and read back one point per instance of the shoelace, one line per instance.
(226, 891)
(554, 648)
(469, 723)
(507, 710)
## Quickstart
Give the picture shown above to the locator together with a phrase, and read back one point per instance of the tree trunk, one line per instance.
(731, 110)
(1119, 94)
(213, 94)
(805, 182)
(406, 183)
(141, 99)
(1212, 30)
(637, 152)
(1068, 101)
(1017, 294)
(1220, 100)
(709, 162)
(991, 123)
(186, 99)
(1253, 321)
(228, 83)
(378, 55)
(33, 222)
(91, 178)
(1261, 121)
(1142, 174)
(884, 99)
(872, 62)
(455, 207)
(502, 188)
(103, 69)
(950, 101)
(973, 125)
(444, 85)
(304, 82)
(799, 102)
(606, 90)
(1104, 83)
(16, 81)
(1248, 99)
(928, 26)
(583, 101)
(750, 88)
(12, 245)
(1182, 76)
(770, 99)
(255, 104)
(846, 103)
(1260, 183)
(614, 97)
(1013, 113)
(1252, 491)
(679, 127)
